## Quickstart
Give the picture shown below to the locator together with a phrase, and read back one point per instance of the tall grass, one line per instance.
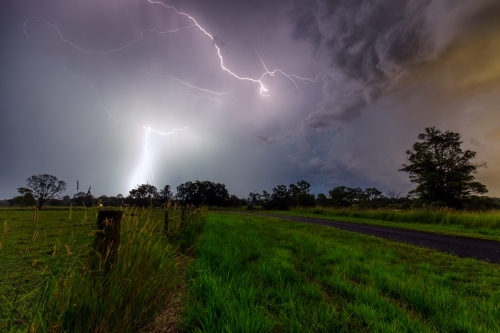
(490, 220)
(72, 294)
(260, 274)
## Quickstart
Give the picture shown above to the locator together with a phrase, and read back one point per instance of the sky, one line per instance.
(252, 94)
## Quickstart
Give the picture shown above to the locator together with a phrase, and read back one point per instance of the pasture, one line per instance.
(262, 274)
(53, 281)
(223, 272)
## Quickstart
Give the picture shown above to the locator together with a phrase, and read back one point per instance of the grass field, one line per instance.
(257, 274)
(485, 225)
(251, 274)
(51, 279)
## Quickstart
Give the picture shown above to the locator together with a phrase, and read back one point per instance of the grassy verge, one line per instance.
(469, 224)
(258, 274)
(53, 282)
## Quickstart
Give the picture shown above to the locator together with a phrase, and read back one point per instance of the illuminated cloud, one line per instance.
(380, 72)
(372, 45)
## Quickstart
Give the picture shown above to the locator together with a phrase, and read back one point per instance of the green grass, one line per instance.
(51, 280)
(27, 246)
(258, 274)
(484, 225)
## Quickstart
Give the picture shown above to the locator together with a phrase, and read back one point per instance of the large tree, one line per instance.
(165, 195)
(342, 196)
(25, 199)
(203, 193)
(143, 195)
(443, 171)
(43, 187)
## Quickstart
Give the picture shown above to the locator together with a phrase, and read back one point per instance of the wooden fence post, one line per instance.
(108, 240)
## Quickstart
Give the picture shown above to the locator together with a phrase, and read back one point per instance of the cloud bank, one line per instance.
(394, 68)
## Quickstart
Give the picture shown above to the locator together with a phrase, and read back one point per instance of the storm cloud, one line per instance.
(371, 44)
(394, 68)
(117, 93)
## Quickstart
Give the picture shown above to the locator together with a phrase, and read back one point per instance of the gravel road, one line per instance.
(461, 246)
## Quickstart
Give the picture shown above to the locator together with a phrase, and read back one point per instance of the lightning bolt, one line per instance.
(99, 101)
(189, 85)
(100, 52)
(300, 83)
(262, 89)
(147, 157)
(191, 95)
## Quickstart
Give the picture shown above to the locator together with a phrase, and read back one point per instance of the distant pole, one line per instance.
(107, 240)
(165, 230)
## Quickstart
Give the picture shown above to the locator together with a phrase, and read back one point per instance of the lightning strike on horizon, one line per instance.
(148, 129)
(146, 151)
(262, 89)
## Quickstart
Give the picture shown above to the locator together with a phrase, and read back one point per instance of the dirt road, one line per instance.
(461, 246)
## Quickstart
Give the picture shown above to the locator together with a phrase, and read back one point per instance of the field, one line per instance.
(53, 281)
(255, 274)
(250, 274)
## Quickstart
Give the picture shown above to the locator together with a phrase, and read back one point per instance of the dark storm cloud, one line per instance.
(370, 43)
(54, 97)
(304, 22)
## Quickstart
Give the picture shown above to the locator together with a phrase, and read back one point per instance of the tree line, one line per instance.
(442, 171)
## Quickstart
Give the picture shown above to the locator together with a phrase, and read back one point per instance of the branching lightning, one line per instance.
(262, 89)
(188, 85)
(299, 82)
(191, 95)
(91, 87)
(100, 52)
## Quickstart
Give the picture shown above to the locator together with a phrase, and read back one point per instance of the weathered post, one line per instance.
(107, 239)
(165, 229)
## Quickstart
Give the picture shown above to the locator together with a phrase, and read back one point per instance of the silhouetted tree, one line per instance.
(236, 202)
(304, 186)
(281, 198)
(305, 200)
(44, 187)
(372, 194)
(165, 194)
(299, 194)
(25, 199)
(143, 195)
(444, 174)
(342, 196)
(322, 200)
(203, 193)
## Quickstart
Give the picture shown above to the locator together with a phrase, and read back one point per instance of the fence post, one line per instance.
(107, 240)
